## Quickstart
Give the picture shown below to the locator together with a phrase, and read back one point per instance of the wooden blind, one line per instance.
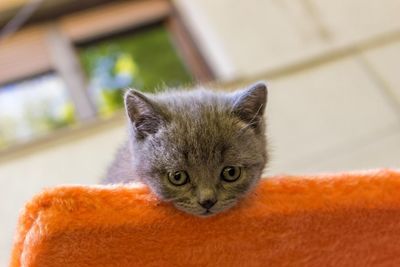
(28, 52)
(24, 54)
(105, 19)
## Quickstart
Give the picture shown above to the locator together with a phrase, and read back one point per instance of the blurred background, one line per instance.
(333, 69)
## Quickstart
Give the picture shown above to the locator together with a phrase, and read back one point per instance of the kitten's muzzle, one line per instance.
(207, 204)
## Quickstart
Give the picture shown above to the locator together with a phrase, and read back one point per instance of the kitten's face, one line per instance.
(202, 151)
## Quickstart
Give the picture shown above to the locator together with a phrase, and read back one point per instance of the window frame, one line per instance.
(51, 45)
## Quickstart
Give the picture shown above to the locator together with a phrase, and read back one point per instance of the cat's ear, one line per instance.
(145, 116)
(249, 104)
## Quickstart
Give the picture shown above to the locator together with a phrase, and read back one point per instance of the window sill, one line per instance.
(62, 136)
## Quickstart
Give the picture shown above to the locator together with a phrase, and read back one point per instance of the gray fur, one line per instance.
(200, 132)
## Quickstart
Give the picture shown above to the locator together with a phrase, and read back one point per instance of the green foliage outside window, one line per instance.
(145, 60)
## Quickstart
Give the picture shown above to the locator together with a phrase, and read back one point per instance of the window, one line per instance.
(32, 108)
(144, 59)
(90, 56)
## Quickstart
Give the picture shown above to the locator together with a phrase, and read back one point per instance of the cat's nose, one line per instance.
(207, 204)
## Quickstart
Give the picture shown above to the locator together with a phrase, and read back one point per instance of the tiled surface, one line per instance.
(262, 35)
(315, 111)
(385, 61)
(258, 35)
(376, 151)
(348, 21)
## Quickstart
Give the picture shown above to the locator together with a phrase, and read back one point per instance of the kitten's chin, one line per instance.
(207, 213)
(202, 213)
(195, 212)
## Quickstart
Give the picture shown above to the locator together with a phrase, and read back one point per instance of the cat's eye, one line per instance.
(178, 178)
(231, 173)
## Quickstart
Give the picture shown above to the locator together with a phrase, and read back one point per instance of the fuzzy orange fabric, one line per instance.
(348, 219)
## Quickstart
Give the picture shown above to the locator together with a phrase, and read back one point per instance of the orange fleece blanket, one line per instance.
(350, 219)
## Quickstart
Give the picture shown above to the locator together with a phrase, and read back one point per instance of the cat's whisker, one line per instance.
(253, 120)
(198, 133)
(246, 127)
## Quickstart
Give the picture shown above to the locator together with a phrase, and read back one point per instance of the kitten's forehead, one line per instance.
(200, 120)
(200, 127)
(201, 135)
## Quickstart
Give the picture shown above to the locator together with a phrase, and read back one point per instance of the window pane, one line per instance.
(32, 108)
(145, 59)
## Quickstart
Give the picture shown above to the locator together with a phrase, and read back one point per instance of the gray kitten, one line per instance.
(201, 150)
